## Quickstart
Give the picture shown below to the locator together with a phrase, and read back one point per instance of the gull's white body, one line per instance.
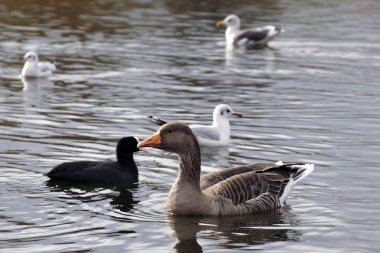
(34, 68)
(259, 36)
(217, 134)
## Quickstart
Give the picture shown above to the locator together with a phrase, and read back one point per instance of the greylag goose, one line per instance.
(245, 189)
(217, 134)
(123, 171)
(253, 37)
(34, 68)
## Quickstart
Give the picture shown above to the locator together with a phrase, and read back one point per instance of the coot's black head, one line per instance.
(127, 145)
(124, 151)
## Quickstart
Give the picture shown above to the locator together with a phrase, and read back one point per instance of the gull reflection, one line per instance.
(259, 61)
(34, 88)
(34, 85)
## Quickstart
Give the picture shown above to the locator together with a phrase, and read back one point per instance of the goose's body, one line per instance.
(216, 134)
(246, 189)
(253, 37)
(122, 171)
(35, 68)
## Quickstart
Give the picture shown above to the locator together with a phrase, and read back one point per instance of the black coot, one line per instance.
(123, 171)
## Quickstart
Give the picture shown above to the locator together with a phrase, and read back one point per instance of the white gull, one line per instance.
(34, 68)
(253, 37)
(216, 134)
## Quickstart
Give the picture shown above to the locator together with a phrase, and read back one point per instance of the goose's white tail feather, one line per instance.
(279, 163)
(300, 172)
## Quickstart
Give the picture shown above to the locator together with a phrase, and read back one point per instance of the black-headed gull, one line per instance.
(34, 68)
(252, 37)
(216, 134)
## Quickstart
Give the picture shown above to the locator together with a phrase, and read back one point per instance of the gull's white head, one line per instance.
(231, 21)
(225, 111)
(31, 57)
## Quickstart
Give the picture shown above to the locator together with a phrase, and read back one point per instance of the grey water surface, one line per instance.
(313, 96)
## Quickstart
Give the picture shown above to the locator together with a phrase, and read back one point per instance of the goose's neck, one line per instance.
(190, 167)
(185, 195)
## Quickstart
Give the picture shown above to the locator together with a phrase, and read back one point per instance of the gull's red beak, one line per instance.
(237, 114)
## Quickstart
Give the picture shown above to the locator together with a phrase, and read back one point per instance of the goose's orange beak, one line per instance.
(219, 24)
(153, 141)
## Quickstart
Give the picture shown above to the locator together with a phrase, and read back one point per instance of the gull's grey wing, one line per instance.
(46, 67)
(156, 120)
(253, 34)
(205, 132)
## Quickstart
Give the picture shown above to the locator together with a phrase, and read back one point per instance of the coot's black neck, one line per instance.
(124, 152)
(126, 160)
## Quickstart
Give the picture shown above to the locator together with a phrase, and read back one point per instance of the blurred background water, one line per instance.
(313, 96)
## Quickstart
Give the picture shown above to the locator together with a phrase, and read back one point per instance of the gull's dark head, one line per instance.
(31, 57)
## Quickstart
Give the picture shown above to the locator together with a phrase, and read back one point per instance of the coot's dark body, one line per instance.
(123, 171)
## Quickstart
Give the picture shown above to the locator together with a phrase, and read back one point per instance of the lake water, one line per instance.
(313, 96)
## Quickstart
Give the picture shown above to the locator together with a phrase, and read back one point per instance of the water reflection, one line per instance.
(34, 88)
(263, 60)
(233, 231)
(121, 197)
(215, 156)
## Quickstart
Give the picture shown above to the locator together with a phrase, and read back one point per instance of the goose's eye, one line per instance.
(170, 131)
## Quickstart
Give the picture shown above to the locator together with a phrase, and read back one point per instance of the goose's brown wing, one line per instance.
(215, 177)
(251, 186)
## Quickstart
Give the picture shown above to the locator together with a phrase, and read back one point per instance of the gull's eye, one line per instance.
(228, 111)
(170, 131)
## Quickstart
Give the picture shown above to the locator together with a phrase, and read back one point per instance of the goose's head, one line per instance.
(224, 111)
(231, 21)
(173, 137)
(31, 57)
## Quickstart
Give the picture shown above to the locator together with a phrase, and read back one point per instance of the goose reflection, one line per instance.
(121, 197)
(233, 231)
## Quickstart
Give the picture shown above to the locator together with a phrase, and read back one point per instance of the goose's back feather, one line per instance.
(215, 177)
(254, 190)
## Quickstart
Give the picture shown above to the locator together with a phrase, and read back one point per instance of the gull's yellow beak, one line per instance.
(219, 24)
(153, 141)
